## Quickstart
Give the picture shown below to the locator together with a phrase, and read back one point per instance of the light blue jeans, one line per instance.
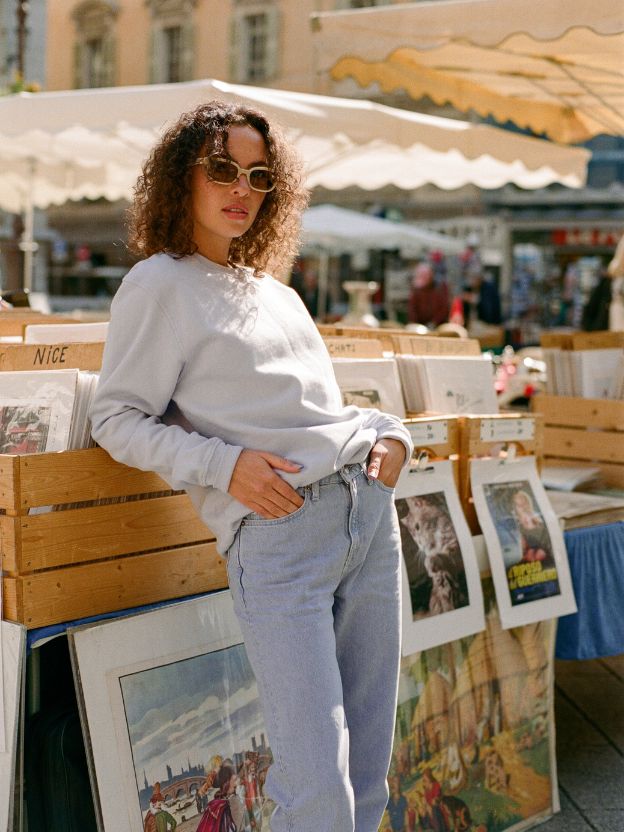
(317, 594)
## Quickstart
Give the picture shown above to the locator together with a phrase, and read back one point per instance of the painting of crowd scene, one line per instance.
(473, 748)
(524, 540)
(433, 558)
(23, 429)
(198, 744)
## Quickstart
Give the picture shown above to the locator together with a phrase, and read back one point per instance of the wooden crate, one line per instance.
(488, 436)
(436, 436)
(88, 559)
(14, 321)
(73, 356)
(584, 432)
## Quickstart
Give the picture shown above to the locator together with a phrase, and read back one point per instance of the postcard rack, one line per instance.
(110, 537)
(580, 432)
(501, 435)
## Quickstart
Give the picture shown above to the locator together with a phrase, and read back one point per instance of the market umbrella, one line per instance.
(56, 146)
(553, 66)
(328, 229)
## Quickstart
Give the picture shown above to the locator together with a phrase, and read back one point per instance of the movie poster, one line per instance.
(525, 544)
(474, 745)
(441, 587)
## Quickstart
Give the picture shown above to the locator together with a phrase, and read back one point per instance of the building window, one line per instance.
(172, 53)
(94, 46)
(255, 44)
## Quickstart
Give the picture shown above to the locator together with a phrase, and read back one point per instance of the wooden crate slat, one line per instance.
(76, 476)
(9, 482)
(90, 589)
(603, 340)
(436, 450)
(13, 322)
(571, 410)
(602, 446)
(435, 345)
(59, 538)
(87, 356)
(353, 347)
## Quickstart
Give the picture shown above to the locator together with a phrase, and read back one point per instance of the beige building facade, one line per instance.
(97, 43)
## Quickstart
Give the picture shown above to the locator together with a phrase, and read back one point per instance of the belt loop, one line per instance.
(315, 491)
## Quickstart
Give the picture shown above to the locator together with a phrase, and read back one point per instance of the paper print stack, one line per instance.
(448, 384)
(45, 411)
(65, 333)
(12, 665)
(590, 374)
(474, 737)
(370, 382)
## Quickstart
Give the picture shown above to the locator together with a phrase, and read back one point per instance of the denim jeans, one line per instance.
(317, 594)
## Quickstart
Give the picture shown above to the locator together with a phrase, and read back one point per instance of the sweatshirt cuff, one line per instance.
(402, 436)
(223, 467)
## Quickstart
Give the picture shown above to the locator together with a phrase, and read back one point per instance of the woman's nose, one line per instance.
(242, 184)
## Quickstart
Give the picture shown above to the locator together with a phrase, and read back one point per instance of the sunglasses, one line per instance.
(225, 171)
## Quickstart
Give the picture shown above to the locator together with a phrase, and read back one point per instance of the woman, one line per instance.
(215, 377)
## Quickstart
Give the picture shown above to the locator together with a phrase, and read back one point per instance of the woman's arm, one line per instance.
(143, 360)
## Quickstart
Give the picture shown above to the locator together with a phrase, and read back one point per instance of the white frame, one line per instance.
(102, 654)
(12, 664)
(380, 374)
(522, 469)
(429, 631)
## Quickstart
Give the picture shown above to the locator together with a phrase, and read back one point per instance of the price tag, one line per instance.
(428, 433)
(507, 430)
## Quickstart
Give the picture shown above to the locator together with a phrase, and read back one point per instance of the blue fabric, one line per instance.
(596, 558)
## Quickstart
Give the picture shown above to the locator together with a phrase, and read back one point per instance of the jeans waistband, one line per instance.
(344, 474)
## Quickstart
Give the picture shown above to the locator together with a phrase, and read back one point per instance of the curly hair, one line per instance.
(160, 217)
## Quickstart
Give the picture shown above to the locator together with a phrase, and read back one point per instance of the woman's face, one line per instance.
(223, 212)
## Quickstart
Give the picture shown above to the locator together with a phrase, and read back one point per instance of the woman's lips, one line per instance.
(235, 212)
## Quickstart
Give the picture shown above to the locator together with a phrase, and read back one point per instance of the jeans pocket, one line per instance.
(255, 519)
(389, 489)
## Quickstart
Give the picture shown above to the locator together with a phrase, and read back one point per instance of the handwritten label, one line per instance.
(50, 355)
(507, 430)
(428, 433)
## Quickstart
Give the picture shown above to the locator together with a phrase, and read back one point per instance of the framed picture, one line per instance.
(474, 743)
(524, 541)
(171, 712)
(12, 663)
(441, 588)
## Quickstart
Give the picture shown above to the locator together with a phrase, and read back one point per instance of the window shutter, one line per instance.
(238, 58)
(272, 68)
(188, 51)
(154, 56)
(78, 65)
(108, 57)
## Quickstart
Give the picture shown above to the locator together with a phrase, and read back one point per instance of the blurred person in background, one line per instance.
(605, 306)
(428, 304)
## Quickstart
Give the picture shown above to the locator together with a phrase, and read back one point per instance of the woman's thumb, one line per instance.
(280, 463)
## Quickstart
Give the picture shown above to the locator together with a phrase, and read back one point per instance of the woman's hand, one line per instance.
(386, 460)
(255, 484)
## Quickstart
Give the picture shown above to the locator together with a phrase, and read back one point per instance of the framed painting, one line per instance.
(474, 744)
(172, 718)
(441, 586)
(12, 664)
(524, 541)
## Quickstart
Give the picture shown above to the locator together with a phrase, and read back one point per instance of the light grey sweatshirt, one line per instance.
(201, 361)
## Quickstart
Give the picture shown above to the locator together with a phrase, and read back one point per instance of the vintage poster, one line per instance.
(361, 398)
(524, 541)
(178, 688)
(441, 588)
(474, 746)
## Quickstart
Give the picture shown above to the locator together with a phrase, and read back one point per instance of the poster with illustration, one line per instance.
(474, 744)
(525, 544)
(171, 708)
(370, 382)
(441, 588)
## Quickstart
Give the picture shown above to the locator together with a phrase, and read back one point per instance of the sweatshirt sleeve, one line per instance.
(143, 360)
(388, 426)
